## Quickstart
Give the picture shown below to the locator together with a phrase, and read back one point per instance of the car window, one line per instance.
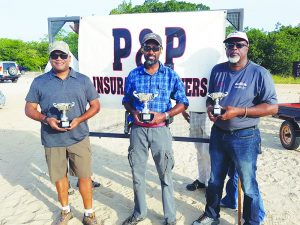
(7, 65)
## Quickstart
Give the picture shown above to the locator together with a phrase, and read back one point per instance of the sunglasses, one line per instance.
(56, 55)
(231, 45)
(148, 48)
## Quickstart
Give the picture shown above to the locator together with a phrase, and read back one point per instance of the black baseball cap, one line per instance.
(152, 36)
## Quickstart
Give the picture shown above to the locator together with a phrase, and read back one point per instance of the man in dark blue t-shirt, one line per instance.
(235, 136)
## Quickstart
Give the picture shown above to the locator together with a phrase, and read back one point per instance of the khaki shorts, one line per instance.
(79, 156)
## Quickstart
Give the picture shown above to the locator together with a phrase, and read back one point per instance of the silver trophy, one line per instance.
(64, 107)
(216, 97)
(145, 115)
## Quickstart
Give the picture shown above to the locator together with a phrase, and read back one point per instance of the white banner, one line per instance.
(192, 41)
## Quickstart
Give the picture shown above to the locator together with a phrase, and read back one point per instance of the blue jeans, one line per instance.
(242, 147)
(230, 199)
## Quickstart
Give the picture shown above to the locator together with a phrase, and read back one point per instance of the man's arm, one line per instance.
(132, 111)
(31, 110)
(161, 117)
(260, 110)
(186, 116)
(92, 110)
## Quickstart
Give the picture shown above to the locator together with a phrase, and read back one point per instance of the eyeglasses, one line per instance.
(54, 55)
(148, 48)
(238, 45)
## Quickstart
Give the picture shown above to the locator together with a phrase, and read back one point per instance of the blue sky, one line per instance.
(27, 20)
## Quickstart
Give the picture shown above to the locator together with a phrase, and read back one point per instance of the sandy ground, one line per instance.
(27, 196)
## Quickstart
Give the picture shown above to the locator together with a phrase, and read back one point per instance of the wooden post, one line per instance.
(239, 202)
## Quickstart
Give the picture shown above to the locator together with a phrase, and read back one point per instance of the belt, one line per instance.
(199, 112)
(150, 125)
(239, 129)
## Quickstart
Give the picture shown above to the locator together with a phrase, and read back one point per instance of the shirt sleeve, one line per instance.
(33, 93)
(267, 93)
(127, 90)
(178, 93)
(91, 92)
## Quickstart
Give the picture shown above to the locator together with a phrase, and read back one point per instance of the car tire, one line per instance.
(12, 70)
(288, 135)
(15, 80)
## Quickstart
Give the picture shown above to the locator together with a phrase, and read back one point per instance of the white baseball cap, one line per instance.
(59, 46)
(237, 34)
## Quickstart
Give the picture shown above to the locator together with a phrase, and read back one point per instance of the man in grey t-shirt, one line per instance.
(235, 136)
(65, 142)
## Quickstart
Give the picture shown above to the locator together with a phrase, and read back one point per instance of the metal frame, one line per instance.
(56, 23)
(234, 16)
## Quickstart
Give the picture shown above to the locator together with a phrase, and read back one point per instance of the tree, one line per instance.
(276, 50)
(257, 39)
(32, 55)
(153, 6)
(283, 49)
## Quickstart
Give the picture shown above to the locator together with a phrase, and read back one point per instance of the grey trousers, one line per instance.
(159, 140)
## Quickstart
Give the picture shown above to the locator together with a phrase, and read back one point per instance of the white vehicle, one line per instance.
(9, 70)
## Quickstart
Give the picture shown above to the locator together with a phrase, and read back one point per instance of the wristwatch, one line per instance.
(44, 121)
(167, 115)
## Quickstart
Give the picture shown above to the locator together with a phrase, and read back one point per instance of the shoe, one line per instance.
(205, 220)
(90, 219)
(64, 218)
(132, 220)
(95, 184)
(195, 185)
(222, 205)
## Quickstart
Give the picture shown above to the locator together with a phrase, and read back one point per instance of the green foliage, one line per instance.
(29, 54)
(154, 6)
(276, 50)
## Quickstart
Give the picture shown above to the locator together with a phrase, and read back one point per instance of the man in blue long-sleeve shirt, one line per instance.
(155, 79)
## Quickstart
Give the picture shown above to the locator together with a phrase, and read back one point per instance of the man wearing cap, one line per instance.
(235, 135)
(150, 130)
(65, 143)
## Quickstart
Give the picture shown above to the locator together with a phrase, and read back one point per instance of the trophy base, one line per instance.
(146, 117)
(218, 112)
(64, 124)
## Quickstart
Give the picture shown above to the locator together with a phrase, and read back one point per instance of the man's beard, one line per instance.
(149, 62)
(234, 59)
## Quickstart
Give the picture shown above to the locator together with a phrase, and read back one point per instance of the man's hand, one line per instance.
(135, 114)
(75, 122)
(211, 117)
(54, 124)
(231, 112)
(158, 118)
(186, 116)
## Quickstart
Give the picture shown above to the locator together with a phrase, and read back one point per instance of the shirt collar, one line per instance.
(161, 69)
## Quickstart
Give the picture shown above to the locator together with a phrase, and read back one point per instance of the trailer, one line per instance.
(289, 132)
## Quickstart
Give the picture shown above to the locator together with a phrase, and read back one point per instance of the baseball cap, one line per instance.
(59, 46)
(152, 36)
(237, 34)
